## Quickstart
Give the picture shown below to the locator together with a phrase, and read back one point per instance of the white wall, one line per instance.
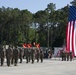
(56, 51)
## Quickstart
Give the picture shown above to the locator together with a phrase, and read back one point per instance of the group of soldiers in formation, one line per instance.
(12, 54)
(66, 56)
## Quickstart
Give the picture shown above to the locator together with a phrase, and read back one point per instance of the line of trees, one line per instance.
(47, 27)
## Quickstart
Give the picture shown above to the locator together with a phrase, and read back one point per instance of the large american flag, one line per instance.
(71, 31)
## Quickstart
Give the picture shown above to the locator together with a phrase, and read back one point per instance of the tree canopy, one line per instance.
(45, 26)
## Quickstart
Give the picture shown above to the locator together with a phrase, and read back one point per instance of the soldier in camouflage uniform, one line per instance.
(8, 55)
(20, 54)
(1, 55)
(62, 55)
(15, 56)
(67, 55)
(27, 55)
(12, 54)
(32, 55)
(71, 56)
(41, 56)
(37, 55)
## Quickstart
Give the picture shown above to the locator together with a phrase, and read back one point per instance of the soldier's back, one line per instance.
(15, 52)
(8, 52)
(1, 53)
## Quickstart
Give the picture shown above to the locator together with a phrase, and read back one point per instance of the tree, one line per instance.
(16, 26)
(41, 17)
(73, 2)
(60, 29)
(26, 21)
(50, 22)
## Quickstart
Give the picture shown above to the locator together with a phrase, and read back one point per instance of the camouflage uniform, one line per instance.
(32, 55)
(8, 55)
(12, 55)
(27, 55)
(67, 55)
(63, 55)
(20, 55)
(15, 56)
(1, 55)
(41, 56)
(37, 55)
(70, 56)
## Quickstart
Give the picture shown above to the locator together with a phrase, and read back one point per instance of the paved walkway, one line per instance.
(48, 67)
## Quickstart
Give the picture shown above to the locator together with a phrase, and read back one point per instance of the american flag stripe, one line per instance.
(68, 37)
(75, 38)
(71, 31)
(71, 39)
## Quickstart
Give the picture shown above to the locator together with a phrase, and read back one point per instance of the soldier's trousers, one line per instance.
(8, 61)
(27, 59)
(67, 58)
(32, 59)
(62, 58)
(70, 58)
(2, 60)
(41, 59)
(20, 59)
(15, 61)
(11, 60)
(37, 59)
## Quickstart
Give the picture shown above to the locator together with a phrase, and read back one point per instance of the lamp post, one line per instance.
(35, 32)
(48, 37)
(48, 43)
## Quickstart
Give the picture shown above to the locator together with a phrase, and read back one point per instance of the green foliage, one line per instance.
(73, 2)
(58, 42)
(21, 26)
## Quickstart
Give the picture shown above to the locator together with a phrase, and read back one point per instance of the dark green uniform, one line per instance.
(12, 56)
(1, 55)
(70, 56)
(8, 55)
(63, 55)
(20, 55)
(15, 56)
(27, 55)
(37, 55)
(67, 55)
(32, 55)
(41, 56)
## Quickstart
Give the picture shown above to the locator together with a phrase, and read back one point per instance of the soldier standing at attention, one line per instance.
(1, 55)
(67, 55)
(32, 55)
(15, 56)
(62, 55)
(20, 54)
(37, 55)
(12, 55)
(27, 55)
(8, 55)
(41, 56)
(70, 56)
